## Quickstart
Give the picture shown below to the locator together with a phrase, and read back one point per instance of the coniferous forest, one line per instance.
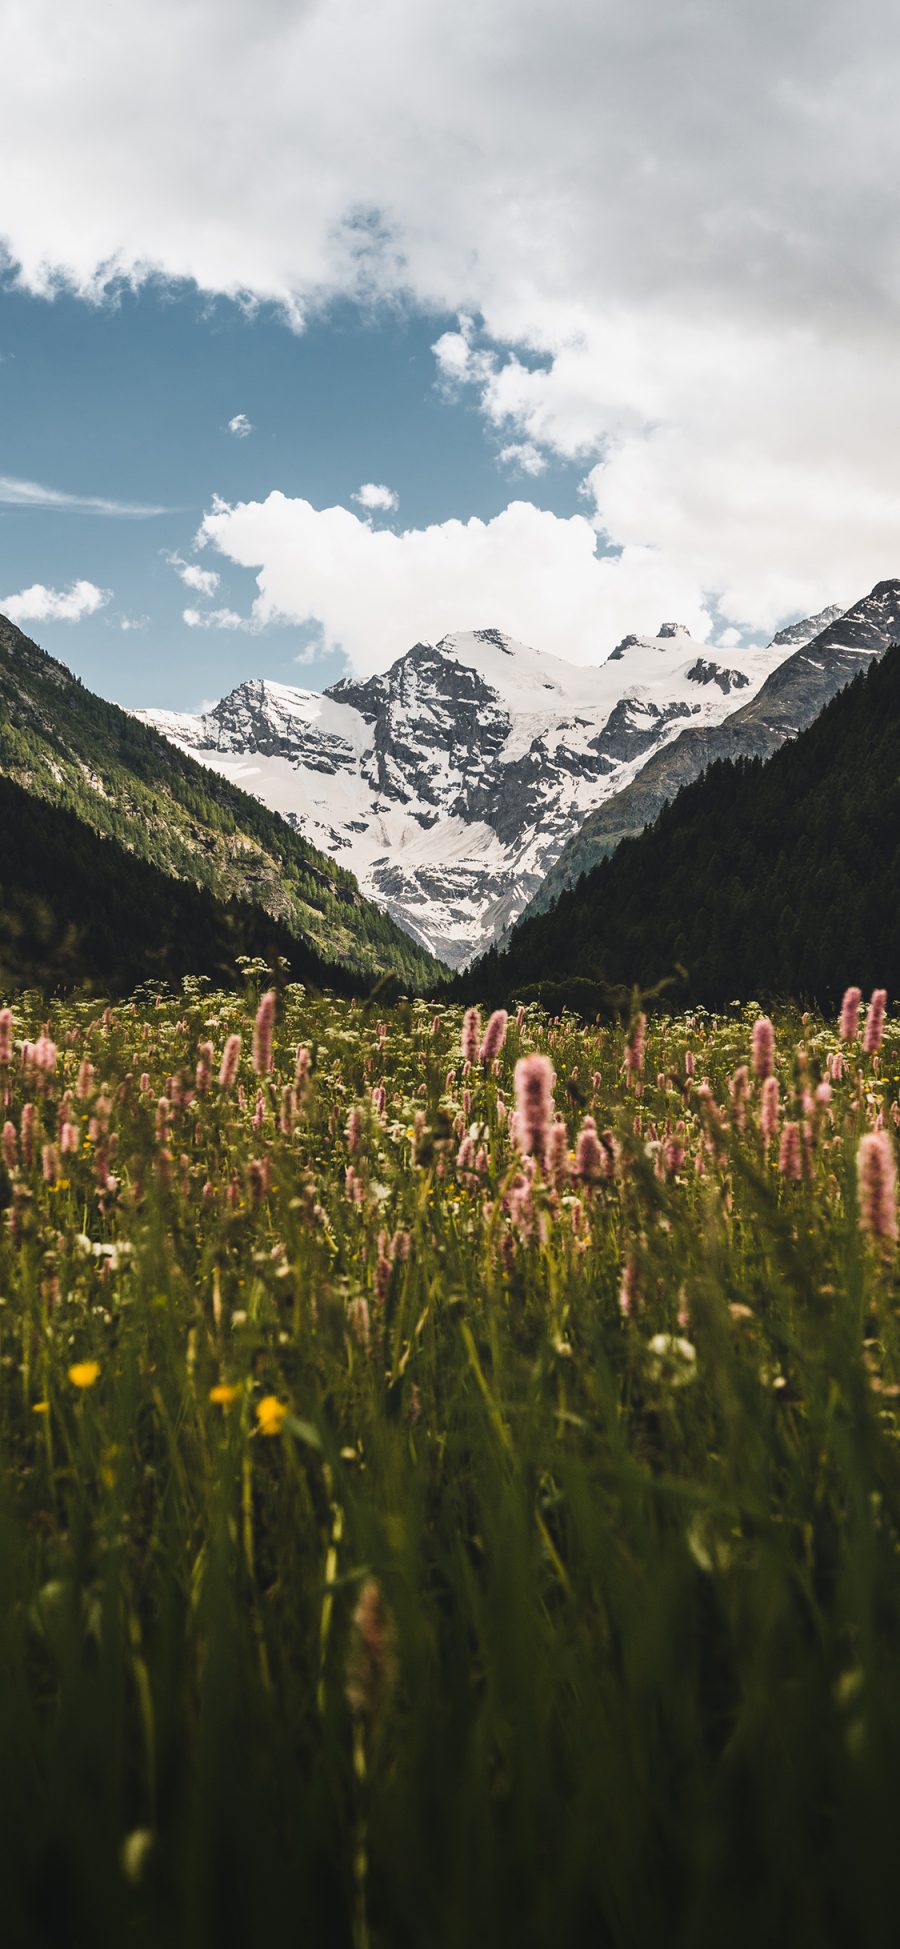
(772, 880)
(79, 911)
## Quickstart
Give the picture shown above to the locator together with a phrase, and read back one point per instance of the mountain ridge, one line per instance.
(64, 744)
(772, 878)
(791, 697)
(451, 781)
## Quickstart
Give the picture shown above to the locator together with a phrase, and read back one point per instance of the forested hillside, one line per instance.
(765, 879)
(79, 911)
(66, 745)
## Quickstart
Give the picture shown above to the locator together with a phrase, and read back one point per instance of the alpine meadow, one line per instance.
(449, 974)
(451, 1483)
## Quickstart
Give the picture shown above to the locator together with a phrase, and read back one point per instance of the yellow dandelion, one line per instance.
(84, 1373)
(223, 1394)
(40, 1407)
(270, 1413)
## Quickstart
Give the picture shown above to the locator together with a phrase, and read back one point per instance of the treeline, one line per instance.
(768, 881)
(72, 748)
(80, 911)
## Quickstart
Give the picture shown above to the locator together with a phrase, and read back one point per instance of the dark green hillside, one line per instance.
(78, 910)
(67, 746)
(763, 879)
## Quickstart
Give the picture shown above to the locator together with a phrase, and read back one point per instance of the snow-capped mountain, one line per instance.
(812, 670)
(450, 784)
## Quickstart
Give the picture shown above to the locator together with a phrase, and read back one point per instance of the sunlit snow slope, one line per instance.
(450, 784)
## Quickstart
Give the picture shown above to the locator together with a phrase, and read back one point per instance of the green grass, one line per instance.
(636, 1678)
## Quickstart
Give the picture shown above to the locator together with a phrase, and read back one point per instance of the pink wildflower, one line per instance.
(738, 1089)
(288, 1110)
(634, 1048)
(877, 1180)
(534, 1080)
(85, 1081)
(875, 1021)
(262, 1034)
(763, 1047)
(558, 1153)
(258, 1179)
(203, 1072)
(849, 1023)
(358, 1316)
(50, 1163)
(9, 1146)
(231, 1056)
(354, 1128)
(768, 1114)
(629, 1292)
(588, 1154)
(45, 1052)
(790, 1155)
(26, 1133)
(371, 1660)
(5, 1037)
(471, 1035)
(494, 1036)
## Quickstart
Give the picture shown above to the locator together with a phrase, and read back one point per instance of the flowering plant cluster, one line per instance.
(441, 1407)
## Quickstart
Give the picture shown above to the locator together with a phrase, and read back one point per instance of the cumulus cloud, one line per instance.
(42, 605)
(373, 592)
(240, 426)
(678, 230)
(215, 619)
(370, 495)
(523, 456)
(204, 581)
(31, 494)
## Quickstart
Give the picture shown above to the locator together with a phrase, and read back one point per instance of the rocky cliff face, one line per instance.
(451, 783)
(791, 697)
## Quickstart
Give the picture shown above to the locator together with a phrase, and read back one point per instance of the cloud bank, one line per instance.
(672, 235)
(374, 593)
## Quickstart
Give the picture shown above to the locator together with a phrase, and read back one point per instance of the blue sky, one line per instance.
(129, 401)
(608, 300)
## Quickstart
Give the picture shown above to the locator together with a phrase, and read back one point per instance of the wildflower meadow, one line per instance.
(450, 1485)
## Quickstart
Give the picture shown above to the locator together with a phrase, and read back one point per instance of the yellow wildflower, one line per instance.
(223, 1394)
(84, 1373)
(40, 1407)
(270, 1413)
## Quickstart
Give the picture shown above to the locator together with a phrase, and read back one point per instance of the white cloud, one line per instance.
(204, 581)
(374, 592)
(370, 495)
(42, 605)
(679, 229)
(215, 619)
(30, 494)
(240, 426)
(524, 456)
(133, 622)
